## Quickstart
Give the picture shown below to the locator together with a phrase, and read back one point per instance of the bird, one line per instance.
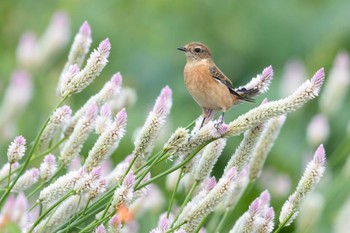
(207, 84)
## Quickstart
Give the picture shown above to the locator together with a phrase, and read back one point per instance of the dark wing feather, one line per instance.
(219, 76)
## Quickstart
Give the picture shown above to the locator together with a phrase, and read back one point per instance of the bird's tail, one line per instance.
(244, 94)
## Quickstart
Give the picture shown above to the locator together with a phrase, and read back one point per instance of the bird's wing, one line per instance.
(220, 77)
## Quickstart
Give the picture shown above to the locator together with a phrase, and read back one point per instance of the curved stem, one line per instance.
(223, 220)
(95, 223)
(201, 224)
(144, 173)
(36, 142)
(148, 162)
(41, 217)
(172, 200)
(187, 199)
(283, 223)
(175, 167)
(9, 176)
(176, 227)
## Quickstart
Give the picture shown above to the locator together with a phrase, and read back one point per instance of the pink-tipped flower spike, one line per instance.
(293, 76)
(57, 121)
(337, 85)
(98, 187)
(264, 145)
(103, 120)
(266, 221)
(100, 229)
(4, 171)
(12, 103)
(20, 214)
(85, 29)
(265, 198)
(163, 101)
(109, 90)
(60, 187)
(208, 159)
(87, 181)
(317, 80)
(95, 64)
(33, 53)
(107, 142)
(258, 85)
(234, 196)
(48, 167)
(163, 225)
(81, 132)
(66, 78)
(154, 123)
(209, 131)
(205, 205)
(77, 54)
(61, 214)
(311, 177)
(307, 91)
(248, 222)
(105, 110)
(243, 152)
(318, 130)
(179, 137)
(29, 178)
(26, 49)
(117, 79)
(124, 194)
(16, 150)
(114, 224)
(54, 38)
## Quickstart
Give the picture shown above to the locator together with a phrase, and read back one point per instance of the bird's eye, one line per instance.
(197, 50)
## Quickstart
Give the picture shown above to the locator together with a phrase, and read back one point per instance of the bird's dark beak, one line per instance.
(182, 49)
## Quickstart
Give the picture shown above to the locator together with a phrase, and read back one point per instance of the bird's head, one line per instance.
(196, 51)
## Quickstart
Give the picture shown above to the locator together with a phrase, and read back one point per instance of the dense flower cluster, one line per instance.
(44, 192)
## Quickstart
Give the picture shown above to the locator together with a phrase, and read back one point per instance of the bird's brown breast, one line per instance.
(204, 89)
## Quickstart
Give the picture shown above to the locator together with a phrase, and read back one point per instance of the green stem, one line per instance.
(175, 167)
(86, 206)
(36, 189)
(340, 152)
(26, 163)
(148, 162)
(172, 200)
(187, 199)
(68, 226)
(9, 176)
(223, 220)
(283, 223)
(201, 224)
(95, 223)
(35, 204)
(41, 217)
(176, 227)
(191, 124)
(144, 173)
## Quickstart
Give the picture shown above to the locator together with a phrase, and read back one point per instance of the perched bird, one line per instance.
(207, 84)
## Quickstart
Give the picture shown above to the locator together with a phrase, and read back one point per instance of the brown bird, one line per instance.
(207, 84)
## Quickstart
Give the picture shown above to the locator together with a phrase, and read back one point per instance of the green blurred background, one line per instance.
(244, 37)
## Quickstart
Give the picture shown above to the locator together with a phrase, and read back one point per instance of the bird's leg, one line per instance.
(202, 123)
(207, 116)
(221, 120)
